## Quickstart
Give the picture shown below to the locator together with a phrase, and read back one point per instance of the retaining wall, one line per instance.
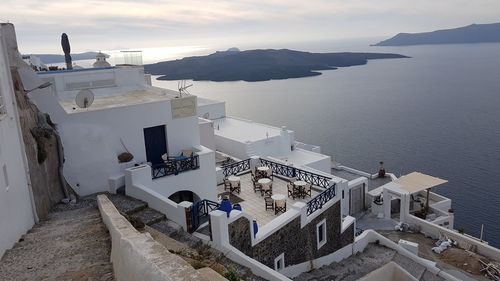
(137, 256)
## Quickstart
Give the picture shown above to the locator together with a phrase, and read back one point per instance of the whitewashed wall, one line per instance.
(16, 211)
(202, 181)
(92, 140)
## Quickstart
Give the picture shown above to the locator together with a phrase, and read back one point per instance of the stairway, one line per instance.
(134, 208)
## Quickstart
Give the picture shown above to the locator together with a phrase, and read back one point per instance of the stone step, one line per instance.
(127, 205)
(175, 231)
(149, 216)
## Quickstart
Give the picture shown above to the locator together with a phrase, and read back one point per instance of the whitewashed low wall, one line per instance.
(295, 270)
(371, 236)
(464, 241)
(174, 212)
(137, 256)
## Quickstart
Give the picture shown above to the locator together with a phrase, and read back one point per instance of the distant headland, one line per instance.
(258, 65)
(474, 33)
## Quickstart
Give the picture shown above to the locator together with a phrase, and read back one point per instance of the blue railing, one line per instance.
(319, 201)
(236, 168)
(175, 166)
(291, 172)
(200, 211)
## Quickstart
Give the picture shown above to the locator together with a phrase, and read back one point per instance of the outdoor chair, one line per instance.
(227, 184)
(235, 187)
(269, 203)
(280, 206)
(291, 190)
(256, 186)
(269, 173)
(266, 190)
(308, 190)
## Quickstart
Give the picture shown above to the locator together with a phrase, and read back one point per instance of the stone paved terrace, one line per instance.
(253, 203)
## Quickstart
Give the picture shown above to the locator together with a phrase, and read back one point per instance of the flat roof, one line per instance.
(113, 97)
(243, 130)
(205, 101)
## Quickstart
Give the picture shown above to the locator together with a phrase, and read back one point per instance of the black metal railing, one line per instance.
(236, 168)
(200, 211)
(291, 172)
(175, 166)
(319, 201)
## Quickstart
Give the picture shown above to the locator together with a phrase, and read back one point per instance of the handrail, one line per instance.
(175, 166)
(236, 168)
(292, 172)
(319, 201)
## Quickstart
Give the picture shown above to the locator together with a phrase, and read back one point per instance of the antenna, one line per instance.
(181, 85)
(85, 98)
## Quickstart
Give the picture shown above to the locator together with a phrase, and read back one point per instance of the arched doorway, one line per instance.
(184, 195)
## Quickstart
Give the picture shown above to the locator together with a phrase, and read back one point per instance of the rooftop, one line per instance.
(253, 203)
(112, 97)
(372, 183)
(244, 130)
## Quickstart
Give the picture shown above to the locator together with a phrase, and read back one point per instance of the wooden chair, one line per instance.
(227, 184)
(267, 190)
(256, 186)
(269, 203)
(308, 190)
(236, 187)
(291, 190)
(269, 173)
(280, 206)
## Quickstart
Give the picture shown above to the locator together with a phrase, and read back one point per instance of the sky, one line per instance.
(219, 24)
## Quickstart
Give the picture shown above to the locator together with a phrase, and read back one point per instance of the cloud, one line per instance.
(200, 22)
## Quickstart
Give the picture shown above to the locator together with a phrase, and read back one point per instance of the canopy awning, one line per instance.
(415, 182)
(411, 183)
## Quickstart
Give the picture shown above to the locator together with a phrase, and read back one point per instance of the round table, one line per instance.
(278, 197)
(300, 183)
(264, 181)
(263, 169)
(233, 179)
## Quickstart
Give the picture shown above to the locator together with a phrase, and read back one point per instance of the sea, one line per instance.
(437, 112)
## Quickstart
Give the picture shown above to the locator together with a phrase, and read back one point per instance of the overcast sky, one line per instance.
(125, 24)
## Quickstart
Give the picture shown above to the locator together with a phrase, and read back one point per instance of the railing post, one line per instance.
(189, 218)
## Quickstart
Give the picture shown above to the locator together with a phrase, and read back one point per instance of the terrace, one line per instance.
(254, 202)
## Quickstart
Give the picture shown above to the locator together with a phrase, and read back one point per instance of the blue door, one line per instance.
(155, 140)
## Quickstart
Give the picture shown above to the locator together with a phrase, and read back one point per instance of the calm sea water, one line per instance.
(437, 112)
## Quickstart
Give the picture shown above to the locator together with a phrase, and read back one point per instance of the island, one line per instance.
(474, 33)
(258, 65)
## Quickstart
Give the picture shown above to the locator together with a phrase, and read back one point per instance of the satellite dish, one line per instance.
(85, 98)
(206, 115)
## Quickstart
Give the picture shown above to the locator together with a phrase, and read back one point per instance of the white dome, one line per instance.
(100, 61)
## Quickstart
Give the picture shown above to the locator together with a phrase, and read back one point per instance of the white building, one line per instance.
(17, 214)
(127, 116)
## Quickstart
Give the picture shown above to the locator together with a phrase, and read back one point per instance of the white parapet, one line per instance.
(137, 256)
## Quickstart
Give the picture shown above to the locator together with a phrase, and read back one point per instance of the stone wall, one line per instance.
(41, 151)
(298, 244)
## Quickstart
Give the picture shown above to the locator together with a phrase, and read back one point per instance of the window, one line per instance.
(279, 262)
(321, 233)
(342, 194)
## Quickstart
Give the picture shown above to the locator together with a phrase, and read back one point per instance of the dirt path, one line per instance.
(73, 244)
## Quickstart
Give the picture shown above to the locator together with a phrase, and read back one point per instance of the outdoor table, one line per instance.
(300, 185)
(233, 179)
(263, 168)
(264, 181)
(278, 197)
